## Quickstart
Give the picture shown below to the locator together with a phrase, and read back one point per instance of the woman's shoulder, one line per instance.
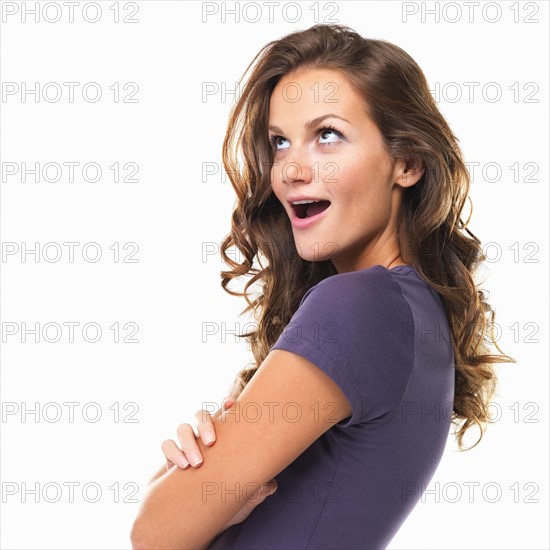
(368, 296)
(374, 283)
(376, 274)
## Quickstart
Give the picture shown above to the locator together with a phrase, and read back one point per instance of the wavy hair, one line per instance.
(399, 101)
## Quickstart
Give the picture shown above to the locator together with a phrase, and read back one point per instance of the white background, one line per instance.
(176, 215)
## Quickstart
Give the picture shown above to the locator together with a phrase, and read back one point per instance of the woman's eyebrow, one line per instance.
(312, 123)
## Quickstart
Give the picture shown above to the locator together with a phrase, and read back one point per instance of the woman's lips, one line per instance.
(303, 223)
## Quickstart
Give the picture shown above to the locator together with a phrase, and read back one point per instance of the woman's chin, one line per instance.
(312, 253)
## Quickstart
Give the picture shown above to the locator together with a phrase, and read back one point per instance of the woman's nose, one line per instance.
(296, 171)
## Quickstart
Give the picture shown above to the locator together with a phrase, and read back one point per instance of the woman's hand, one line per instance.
(190, 454)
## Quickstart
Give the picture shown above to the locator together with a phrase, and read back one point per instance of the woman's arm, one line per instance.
(163, 469)
(234, 392)
(189, 508)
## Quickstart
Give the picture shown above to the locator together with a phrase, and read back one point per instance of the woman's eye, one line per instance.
(335, 134)
(330, 134)
(274, 140)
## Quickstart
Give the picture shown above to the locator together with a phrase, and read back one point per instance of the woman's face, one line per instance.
(327, 148)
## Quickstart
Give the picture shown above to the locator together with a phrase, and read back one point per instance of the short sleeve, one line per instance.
(351, 326)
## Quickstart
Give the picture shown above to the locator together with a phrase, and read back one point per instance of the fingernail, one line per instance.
(208, 438)
(182, 463)
(195, 458)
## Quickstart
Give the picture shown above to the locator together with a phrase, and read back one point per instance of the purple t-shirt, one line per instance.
(383, 336)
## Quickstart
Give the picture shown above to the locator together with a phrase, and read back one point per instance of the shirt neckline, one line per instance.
(406, 266)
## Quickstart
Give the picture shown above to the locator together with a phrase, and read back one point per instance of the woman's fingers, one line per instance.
(228, 402)
(266, 490)
(173, 454)
(189, 453)
(251, 501)
(205, 425)
(188, 442)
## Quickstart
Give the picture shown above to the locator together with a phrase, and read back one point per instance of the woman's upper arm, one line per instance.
(286, 406)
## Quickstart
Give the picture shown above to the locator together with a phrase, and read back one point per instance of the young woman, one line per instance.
(372, 337)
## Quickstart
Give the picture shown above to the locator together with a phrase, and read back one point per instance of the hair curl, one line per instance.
(398, 99)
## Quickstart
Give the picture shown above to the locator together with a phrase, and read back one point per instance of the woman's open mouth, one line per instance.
(304, 215)
(310, 209)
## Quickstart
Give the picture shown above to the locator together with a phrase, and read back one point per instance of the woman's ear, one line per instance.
(412, 171)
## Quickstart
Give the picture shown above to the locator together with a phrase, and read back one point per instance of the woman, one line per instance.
(372, 336)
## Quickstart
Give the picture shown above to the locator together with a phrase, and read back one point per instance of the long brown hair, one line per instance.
(399, 101)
